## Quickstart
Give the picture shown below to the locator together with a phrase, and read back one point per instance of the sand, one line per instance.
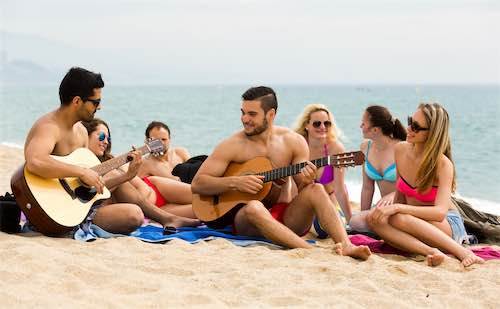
(38, 271)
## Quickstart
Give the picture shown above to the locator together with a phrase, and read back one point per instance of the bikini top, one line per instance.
(405, 188)
(328, 174)
(371, 172)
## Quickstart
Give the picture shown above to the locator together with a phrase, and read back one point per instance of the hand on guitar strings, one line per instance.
(249, 183)
(92, 179)
(135, 158)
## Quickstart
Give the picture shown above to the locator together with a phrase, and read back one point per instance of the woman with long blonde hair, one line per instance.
(423, 219)
(316, 124)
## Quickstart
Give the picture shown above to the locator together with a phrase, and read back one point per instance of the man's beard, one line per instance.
(88, 117)
(258, 130)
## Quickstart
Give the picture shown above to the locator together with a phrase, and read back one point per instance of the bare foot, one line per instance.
(357, 252)
(470, 259)
(177, 221)
(436, 258)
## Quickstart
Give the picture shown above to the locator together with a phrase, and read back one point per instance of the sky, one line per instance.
(242, 41)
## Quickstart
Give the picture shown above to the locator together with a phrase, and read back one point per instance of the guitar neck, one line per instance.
(282, 172)
(116, 162)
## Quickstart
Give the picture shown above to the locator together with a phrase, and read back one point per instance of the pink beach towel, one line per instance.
(378, 246)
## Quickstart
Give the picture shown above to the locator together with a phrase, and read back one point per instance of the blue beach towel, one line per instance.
(154, 234)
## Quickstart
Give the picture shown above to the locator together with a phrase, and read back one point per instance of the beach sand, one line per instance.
(38, 271)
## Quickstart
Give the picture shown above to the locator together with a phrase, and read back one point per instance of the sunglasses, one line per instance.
(102, 136)
(414, 126)
(318, 123)
(96, 102)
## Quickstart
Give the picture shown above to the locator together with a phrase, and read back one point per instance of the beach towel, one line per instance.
(154, 234)
(486, 227)
(378, 246)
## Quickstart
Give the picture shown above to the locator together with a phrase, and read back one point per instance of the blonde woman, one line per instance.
(317, 126)
(422, 218)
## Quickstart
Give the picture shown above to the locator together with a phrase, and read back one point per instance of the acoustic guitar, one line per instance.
(55, 206)
(211, 208)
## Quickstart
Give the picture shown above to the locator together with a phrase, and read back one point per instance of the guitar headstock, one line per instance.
(155, 146)
(348, 159)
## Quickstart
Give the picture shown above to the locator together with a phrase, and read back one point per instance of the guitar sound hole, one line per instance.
(85, 194)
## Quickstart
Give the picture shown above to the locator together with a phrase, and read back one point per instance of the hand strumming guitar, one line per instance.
(92, 179)
(248, 183)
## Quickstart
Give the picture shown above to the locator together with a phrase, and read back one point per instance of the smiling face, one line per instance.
(97, 146)
(319, 125)
(253, 118)
(89, 106)
(421, 136)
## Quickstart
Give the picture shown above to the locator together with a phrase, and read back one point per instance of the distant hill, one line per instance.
(25, 71)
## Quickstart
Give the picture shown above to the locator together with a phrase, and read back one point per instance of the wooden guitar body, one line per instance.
(211, 207)
(55, 206)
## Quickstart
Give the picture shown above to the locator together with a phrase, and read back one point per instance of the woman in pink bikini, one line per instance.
(127, 187)
(423, 219)
(317, 126)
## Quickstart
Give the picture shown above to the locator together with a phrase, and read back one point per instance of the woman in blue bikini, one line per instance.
(381, 132)
(317, 126)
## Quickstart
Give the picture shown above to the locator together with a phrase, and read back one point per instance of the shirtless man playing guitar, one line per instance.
(60, 132)
(272, 218)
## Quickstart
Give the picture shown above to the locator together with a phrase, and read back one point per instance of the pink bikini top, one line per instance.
(405, 188)
(328, 174)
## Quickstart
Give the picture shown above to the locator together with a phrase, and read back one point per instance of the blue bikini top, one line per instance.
(371, 172)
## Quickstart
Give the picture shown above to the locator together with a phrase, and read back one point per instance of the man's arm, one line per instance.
(209, 180)
(301, 154)
(37, 152)
(183, 153)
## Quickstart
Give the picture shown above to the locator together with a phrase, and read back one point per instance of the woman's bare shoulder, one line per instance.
(364, 145)
(336, 147)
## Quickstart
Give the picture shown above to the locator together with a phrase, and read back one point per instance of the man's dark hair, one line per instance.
(156, 124)
(79, 82)
(265, 95)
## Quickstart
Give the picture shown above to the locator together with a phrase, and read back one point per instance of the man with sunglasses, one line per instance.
(60, 132)
(280, 217)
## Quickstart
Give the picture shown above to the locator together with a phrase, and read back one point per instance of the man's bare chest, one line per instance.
(279, 156)
(67, 144)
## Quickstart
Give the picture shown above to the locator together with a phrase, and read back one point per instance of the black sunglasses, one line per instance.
(96, 102)
(318, 123)
(414, 126)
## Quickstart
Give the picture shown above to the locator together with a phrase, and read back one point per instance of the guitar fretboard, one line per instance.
(115, 162)
(334, 160)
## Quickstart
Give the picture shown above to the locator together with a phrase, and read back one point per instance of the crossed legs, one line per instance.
(127, 192)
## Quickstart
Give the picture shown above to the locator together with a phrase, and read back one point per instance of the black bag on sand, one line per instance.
(486, 227)
(10, 214)
(187, 170)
